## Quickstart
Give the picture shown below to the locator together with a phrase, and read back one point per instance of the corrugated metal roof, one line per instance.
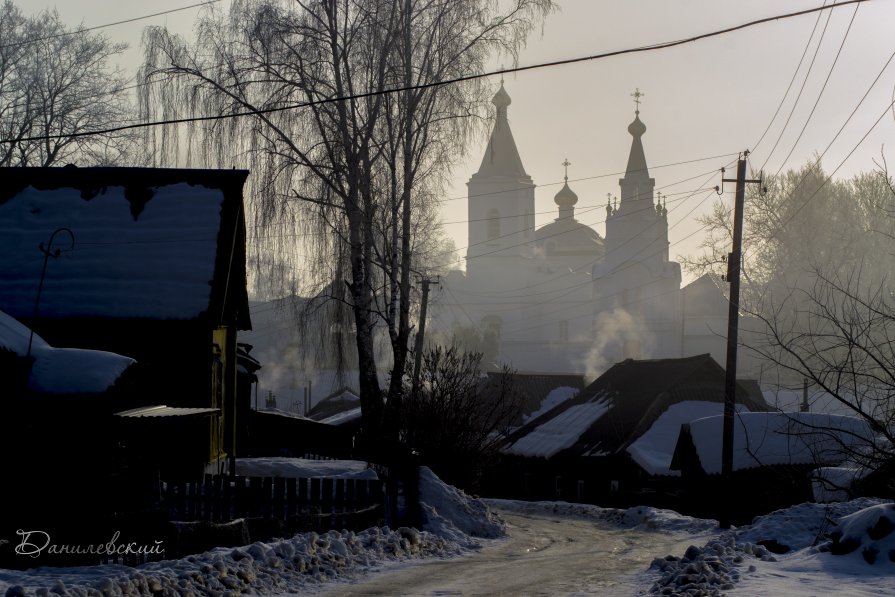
(167, 411)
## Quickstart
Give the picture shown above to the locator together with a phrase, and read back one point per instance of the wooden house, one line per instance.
(774, 454)
(147, 263)
(612, 443)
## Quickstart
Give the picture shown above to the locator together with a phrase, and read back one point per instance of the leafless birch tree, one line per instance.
(340, 163)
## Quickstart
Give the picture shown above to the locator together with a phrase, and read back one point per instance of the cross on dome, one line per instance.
(567, 163)
(637, 95)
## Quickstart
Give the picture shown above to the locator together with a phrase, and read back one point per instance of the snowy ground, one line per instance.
(827, 548)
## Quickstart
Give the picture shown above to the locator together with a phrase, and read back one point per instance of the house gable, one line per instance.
(145, 244)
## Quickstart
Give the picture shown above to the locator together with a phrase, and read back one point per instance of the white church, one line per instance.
(560, 298)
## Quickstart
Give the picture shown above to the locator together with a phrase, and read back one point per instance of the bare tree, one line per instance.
(339, 163)
(460, 417)
(805, 222)
(56, 83)
(819, 282)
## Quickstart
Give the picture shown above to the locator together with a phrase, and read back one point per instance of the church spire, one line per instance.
(637, 186)
(637, 159)
(501, 156)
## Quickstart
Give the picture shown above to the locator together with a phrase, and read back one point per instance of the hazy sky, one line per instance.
(703, 99)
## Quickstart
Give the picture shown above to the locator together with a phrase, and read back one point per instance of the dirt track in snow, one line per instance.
(544, 555)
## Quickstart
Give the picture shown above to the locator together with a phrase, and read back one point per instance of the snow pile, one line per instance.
(451, 514)
(62, 370)
(556, 397)
(865, 529)
(869, 533)
(284, 566)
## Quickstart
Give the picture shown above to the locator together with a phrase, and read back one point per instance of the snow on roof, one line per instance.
(303, 468)
(343, 417)
(556, 397)
(62, 370)
(559, 432)
(153, 259)
(653, 450)
(762, 439)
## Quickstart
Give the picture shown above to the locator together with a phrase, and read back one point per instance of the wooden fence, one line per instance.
(321, 502)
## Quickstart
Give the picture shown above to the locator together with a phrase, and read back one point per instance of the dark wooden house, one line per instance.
(147, 263)
(612, 443)
(774, 454)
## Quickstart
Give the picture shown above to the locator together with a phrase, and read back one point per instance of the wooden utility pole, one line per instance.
(418, 347)
(734, 262)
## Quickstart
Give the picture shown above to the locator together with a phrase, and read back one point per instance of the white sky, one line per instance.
(703, 99)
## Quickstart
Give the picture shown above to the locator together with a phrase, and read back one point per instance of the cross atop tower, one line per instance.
(567, 163)
(637, 95)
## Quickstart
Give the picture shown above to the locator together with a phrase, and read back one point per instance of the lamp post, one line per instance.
(48, 252)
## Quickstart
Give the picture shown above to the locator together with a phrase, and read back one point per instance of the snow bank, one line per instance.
(798, 533)
(449, 513)
(285, 566)
(868, 533)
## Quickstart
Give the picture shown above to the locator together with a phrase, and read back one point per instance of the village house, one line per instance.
(146, 263)
(613, 441)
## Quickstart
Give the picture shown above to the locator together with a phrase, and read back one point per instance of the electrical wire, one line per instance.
(94, 28)
(801, 90)
(502, 71)
(821, 93)
(792, 80)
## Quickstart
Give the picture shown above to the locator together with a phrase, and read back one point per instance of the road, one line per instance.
(544, 555)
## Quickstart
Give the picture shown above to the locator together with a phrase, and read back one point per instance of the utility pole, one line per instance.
(418, 347)
(734, 262)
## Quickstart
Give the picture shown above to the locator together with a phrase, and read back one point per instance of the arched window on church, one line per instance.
(493, 224)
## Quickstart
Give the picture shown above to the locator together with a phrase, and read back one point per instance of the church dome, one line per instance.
(568, 236)
(566, 197)
(637, 128)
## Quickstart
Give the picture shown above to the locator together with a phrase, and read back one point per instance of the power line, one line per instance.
(502, 71)
(822, 89)
(791, 81)
(842, 128)
(801, 90)
(586, 178)
(83, 30)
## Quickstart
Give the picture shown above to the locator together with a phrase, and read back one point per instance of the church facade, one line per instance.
(560, 298)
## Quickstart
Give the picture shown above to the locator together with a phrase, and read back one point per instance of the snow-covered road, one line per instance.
(545, 554)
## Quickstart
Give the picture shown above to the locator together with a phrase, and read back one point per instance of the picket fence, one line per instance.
(222, 498)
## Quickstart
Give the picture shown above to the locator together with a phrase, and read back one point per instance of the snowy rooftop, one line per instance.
(142, 248)
(559, 432)
(653, 450)
(62, 370)
(762, 439)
